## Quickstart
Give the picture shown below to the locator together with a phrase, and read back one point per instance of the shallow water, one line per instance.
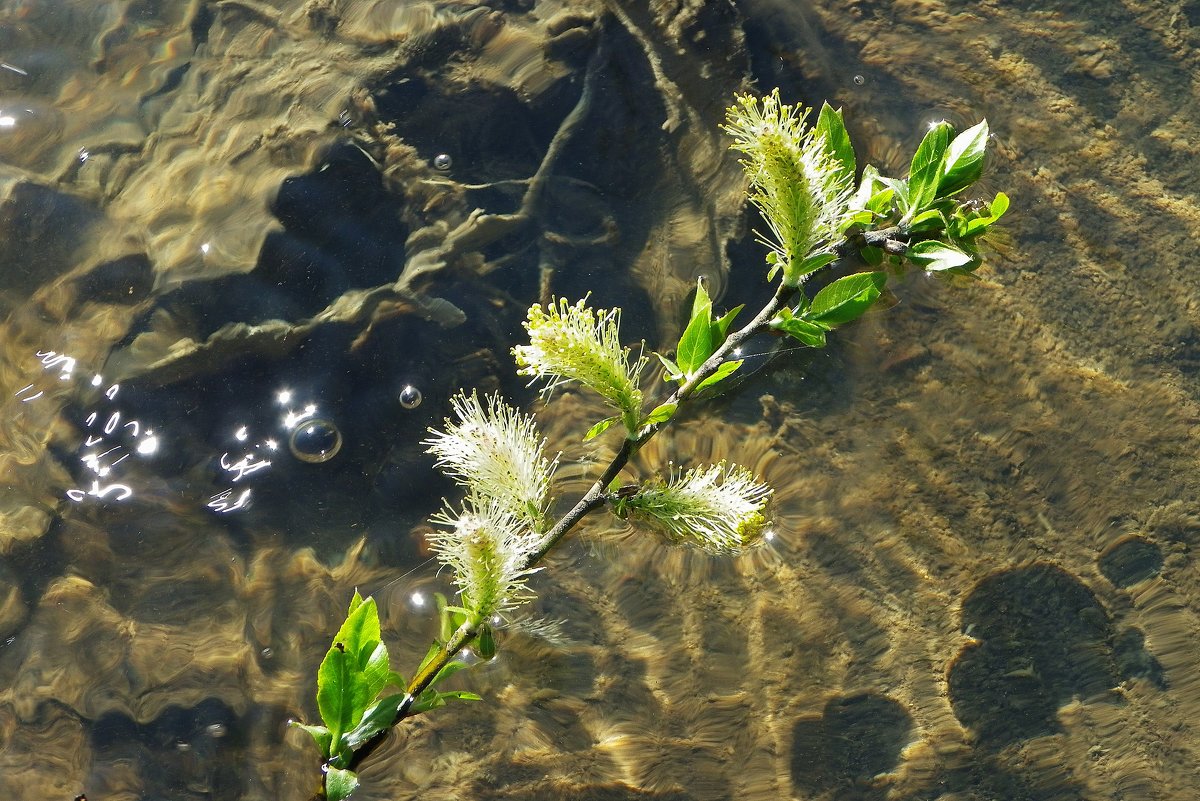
(215, 215)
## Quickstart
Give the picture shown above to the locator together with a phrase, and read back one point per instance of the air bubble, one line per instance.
(315, 441)
(442, 161)
(859, 80)
(410, 397)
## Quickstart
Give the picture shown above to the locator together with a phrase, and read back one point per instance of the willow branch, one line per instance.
(591, 500)
(894, 239)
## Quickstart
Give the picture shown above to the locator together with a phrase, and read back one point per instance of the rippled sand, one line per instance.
(979, 584)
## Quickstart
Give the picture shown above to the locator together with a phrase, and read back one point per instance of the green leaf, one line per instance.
(486, 644)
(964, 160)
(773, 263)
(722, 372)
(925, 174)
(378, 717)
(901, 193)
(673, 373)
(881, 201)
(456, 616)
(353, 671)
(869, 185)
(863, 218)
(696, 343)
(373, 660)
(448, 670)
(721, 326)
(807, 266)
(973, 226)
(432, 699)
(618, 506)
(319, 733)
(936, 256)
(872, 255)
(434, 649)
(928, 220)
(339, 784)
(450, 617)
(832, 130)
(999, 205)
(660, 414)
(396, 680)
(701, 303)
(810, 333)
(700, 339)
(597, 430)
(847, 298)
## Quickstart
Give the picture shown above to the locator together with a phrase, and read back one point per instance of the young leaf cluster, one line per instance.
(700, 339)
(920, 220)
(924, 216)
(350, 697)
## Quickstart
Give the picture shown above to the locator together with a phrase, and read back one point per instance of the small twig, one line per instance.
(894, 240)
